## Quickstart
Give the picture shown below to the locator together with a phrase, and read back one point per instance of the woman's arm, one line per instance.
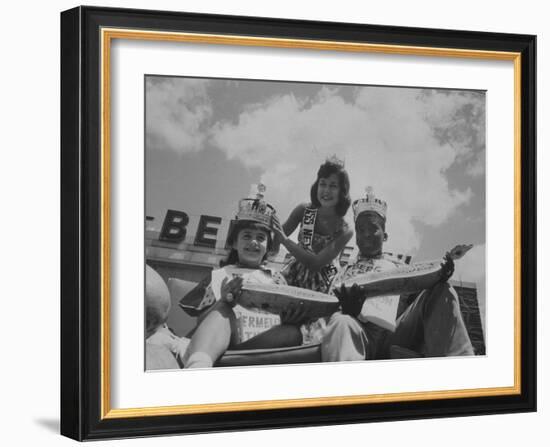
(289, 226)
(294, 219)
(314, 261)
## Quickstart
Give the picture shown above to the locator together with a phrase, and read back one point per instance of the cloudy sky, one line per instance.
(422, 150)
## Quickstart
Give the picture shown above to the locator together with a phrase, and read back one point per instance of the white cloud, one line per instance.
(385, 135)
(459, 119)
(177, 112)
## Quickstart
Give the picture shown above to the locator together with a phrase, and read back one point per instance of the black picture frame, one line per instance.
(82, 213)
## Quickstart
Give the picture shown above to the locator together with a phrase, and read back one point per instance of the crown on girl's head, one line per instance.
(369, 203)
(335, 160)
(255, 208)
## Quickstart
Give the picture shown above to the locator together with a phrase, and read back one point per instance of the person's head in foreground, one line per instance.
(370, 224)
(157, 301)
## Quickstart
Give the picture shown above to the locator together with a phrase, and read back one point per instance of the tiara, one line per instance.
(255, 208)
(335, 160)
(369, 203)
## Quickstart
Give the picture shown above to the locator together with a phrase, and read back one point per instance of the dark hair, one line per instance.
(326, 170)
(237, 226)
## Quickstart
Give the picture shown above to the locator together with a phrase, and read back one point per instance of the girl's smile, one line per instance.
(251, 246)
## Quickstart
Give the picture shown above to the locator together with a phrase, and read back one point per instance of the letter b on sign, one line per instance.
(174, 227)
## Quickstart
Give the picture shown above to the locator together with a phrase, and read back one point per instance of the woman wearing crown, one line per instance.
(323, 231)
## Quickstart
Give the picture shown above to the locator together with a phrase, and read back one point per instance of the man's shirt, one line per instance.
(381, 311)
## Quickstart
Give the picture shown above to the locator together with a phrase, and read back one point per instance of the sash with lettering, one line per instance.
(308, 228)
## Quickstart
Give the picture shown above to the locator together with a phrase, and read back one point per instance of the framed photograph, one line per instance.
(272, 223)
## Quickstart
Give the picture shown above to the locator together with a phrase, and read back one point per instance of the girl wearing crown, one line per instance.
(221, 324)
(323, 231)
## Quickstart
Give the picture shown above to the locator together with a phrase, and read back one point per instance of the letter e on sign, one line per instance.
(206, 229)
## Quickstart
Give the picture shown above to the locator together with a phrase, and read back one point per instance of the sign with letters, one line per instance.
(208, 231)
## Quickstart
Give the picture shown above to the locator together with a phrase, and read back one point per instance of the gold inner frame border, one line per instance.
(107, 35)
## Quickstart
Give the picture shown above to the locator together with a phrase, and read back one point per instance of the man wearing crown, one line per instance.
(384, 327)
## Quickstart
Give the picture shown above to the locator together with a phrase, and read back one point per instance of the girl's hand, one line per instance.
(294, 315)
(231, 289)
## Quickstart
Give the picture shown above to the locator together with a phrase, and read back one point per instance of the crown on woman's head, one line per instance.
(369, 203)
(335, 160)
(255, 208)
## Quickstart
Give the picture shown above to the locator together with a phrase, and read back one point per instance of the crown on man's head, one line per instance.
(255, 208)
(369, 203)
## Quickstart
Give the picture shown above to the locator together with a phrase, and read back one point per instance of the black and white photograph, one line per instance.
(286, 223)
(300, 222)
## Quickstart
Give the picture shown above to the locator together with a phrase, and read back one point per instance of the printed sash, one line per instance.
(308, 225)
